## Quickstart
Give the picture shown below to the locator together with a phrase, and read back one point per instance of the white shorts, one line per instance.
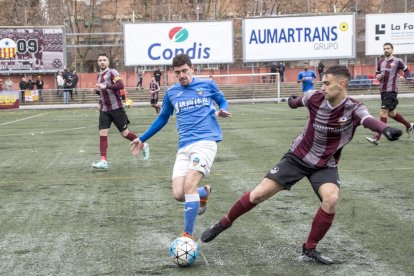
(198, 156)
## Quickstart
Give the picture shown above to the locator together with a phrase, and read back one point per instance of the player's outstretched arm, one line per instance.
(375, 125)
(295, 101)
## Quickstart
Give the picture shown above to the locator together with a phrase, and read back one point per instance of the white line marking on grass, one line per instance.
(27, 118)
(57, 181)
(205, 259)
(44, 132)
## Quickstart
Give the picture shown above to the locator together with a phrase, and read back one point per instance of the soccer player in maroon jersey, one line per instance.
(109, 84)
(332, 120)
(154, 90)
(387, 74)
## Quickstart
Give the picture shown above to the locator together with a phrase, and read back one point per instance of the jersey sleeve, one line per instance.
(162, 119)
(306, 97)
(300, 76)
(378, 71)
(361, 113)
(402, 65)
(218, 97)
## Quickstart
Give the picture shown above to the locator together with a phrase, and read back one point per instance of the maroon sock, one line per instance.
(131, 136)
(320, 226)
(384, 120)
(399, 118)
(242, 206)
(103, 146)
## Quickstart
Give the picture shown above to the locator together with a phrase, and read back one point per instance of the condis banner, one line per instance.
(158, 43)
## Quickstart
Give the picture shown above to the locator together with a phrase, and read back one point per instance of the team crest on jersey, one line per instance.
(196, 161)
(342, 120)
(274, 170)
(200, 91)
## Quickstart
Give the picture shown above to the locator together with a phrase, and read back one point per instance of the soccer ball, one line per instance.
(183, 251)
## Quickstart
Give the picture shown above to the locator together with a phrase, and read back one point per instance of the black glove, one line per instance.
(291, 98)
(392, 133)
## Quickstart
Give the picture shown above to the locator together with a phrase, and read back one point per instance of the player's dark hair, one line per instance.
(180, 60)
(389, 44)
(306, 63)
(103, 55)
(339, 70)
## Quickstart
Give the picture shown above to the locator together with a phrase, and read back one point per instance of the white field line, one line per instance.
(56, 180)
(43, 132)
(23, 119)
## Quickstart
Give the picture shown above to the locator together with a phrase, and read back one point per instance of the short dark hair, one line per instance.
(306, 63)
(339, 70)
(180, 60)
(389, 44)
(103, 55)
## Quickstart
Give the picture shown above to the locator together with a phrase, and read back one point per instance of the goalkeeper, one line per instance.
(314, 154)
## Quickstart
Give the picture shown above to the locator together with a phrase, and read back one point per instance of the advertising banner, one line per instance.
(33, 49)
(299, 38)
(396, 28)
(9, 99)
(31, 95)
(158, 43)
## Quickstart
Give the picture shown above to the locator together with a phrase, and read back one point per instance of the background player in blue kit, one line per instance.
(306, 77)
(192, 99)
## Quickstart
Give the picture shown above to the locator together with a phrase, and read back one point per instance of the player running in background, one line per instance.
(387, 73)
(154, 90)
(333, 118)
(109, 84)
(192, 99)
(306, 77)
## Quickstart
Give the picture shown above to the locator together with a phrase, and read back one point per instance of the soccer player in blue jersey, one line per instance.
(306, 77)
(192, 99)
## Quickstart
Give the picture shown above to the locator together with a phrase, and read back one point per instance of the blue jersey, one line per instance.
(308, 77)
(195, 112)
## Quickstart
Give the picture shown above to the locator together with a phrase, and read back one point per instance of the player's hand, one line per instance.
(136, 146)
(100, 86)
(223, 114)
(290, 99)
(95, 91)
(392, 133)
(379, 77)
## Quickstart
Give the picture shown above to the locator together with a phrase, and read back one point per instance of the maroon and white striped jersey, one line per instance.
(110, 98)
(153, 87)
(328, 129)
(389, 68)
